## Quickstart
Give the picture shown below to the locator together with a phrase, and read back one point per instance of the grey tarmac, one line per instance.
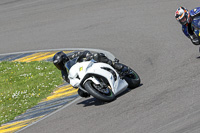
(142, 34)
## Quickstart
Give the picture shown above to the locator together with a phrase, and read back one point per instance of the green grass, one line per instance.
(23, 85)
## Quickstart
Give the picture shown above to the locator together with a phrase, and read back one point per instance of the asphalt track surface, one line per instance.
(142, 34)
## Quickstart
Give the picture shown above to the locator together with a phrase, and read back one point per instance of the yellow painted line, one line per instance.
(39, 56)
(19, 122)
(44, 57)
(62, 90)
(11, 125)
(50, 55)
(11, 130)
(65, 86)
(68, 93)
(17, 125)
(33, 56)
(27, 57)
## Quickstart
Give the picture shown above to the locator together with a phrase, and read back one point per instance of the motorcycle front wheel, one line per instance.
(103, 93)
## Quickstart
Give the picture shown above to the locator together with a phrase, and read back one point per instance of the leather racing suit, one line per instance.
(189, 29)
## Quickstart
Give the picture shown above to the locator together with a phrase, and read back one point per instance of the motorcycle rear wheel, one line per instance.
(106, 97)
(133, 79)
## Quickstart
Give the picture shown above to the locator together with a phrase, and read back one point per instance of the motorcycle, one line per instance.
(196, 25)
(99, 79)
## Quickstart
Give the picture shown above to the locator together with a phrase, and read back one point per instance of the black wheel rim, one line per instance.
(103, 90)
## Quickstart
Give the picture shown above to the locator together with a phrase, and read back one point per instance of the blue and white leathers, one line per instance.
(193, 13)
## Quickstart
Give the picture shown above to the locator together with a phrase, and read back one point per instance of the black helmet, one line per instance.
(59, 60)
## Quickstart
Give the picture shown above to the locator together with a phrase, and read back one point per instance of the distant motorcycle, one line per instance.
(196, 25)
(99, 79)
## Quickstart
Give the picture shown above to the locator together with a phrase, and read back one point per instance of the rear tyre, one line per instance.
(99, 92)
(133, 79)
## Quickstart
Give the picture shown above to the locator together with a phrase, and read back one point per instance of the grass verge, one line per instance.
(23, 85)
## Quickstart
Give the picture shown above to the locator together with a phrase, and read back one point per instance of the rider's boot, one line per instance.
(121, 68)
(83, 94)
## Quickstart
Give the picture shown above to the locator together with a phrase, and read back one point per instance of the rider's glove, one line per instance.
(65, 76)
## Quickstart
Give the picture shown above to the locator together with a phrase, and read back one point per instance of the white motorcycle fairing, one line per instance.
(81, 72)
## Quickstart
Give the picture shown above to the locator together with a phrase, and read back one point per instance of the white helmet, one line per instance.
(182, 15)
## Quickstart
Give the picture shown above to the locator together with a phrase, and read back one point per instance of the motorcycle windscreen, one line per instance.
(70, 63)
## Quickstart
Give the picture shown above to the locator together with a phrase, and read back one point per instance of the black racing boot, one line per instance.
(121, 69)
(83, 94)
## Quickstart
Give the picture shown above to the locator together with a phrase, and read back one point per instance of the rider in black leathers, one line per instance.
(60, 58)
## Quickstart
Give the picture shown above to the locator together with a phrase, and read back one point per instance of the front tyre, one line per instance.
(99, 92)
(132, 78)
